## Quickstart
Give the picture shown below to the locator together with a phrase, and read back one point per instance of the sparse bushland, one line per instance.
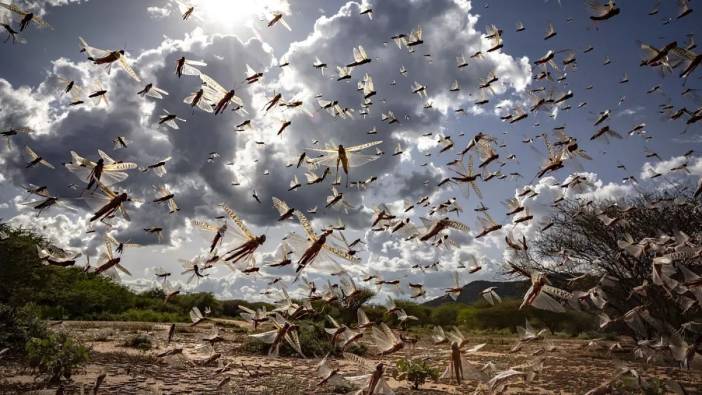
(71, 294)
(507, 315)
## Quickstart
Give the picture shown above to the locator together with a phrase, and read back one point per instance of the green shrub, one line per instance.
(507, 316)
(416, 371)
(423, 313)
(446, 314)
(376, 313)
(342, 312)
(139, 341)
(55, 357)
(467, 318)
(499, 316)
(570, 322)
(17, 326)
(314, 341)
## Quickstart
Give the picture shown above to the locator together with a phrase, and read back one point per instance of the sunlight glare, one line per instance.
(238, 13)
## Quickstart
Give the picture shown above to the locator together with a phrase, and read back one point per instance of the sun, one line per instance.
(233, 14)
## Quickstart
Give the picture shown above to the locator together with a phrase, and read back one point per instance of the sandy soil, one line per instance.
(571, 368)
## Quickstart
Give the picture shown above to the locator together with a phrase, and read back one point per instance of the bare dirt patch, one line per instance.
(571, 368)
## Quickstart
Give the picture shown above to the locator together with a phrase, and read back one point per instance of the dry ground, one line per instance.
(570, 369)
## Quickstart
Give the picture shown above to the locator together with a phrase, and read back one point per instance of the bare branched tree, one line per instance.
(635, 263)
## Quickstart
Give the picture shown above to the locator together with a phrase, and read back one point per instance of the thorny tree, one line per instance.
(635, 262)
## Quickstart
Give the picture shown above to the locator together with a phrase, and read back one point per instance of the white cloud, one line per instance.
(40, 6)
(450, 30)
(25, 106)
(158, 12)
(694, 167)
(199, 186)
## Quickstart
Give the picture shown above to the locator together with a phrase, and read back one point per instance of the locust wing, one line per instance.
(244, 230)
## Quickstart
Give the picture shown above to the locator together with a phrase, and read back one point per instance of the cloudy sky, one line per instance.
(230, 35)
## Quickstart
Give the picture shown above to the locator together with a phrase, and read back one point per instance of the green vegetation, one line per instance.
(416, 371)
(55, 356)
(18, 326)
(139, 341)
(70, 293)
(315, 342)
(481, 316)
(507, 315)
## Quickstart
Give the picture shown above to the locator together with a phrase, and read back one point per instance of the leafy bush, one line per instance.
(446, 314)
(315, 342)
(416, 371)
(139, 341)
(343, 313)
(17, 326)
(55, 356)
(467, 317)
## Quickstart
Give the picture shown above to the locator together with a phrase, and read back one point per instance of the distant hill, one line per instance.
(470, 293)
